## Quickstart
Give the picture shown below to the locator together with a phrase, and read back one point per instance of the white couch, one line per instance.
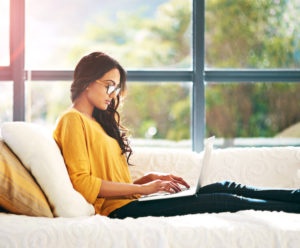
(270, 167)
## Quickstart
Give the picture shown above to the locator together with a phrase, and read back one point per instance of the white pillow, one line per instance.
(40, 154)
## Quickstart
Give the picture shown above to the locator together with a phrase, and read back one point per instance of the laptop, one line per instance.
(208, 147)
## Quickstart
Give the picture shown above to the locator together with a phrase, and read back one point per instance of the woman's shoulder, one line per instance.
(71, 112)
(74, 117)
(70, 115)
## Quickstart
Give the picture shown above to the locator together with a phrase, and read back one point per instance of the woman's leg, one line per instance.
(201, 203)
(286, 195)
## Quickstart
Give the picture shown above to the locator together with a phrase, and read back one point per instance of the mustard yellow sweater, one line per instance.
(91, 156)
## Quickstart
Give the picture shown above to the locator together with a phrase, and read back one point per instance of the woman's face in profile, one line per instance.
(103, 90)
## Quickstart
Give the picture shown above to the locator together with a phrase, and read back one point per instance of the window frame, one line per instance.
(198, 75)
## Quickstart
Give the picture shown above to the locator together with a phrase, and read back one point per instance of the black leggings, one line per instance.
(215, 198)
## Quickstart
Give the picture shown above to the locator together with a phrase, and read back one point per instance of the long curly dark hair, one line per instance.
(90, 68)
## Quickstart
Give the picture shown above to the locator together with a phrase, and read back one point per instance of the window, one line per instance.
(6, 86)
(242, 40)
(129, 34)
(159, 111)
(252, 34)
(46, 100)
(260, 113)
(56, 37)
(228, 68)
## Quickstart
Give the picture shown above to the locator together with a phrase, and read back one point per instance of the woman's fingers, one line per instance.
(170, 177)
(170, 186)
(179, 180)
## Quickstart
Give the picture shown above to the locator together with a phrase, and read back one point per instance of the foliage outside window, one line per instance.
(252, 34)
(160, 111)
(252, 110)
(140, 34)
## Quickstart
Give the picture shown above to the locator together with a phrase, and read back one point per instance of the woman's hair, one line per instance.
(90, 68)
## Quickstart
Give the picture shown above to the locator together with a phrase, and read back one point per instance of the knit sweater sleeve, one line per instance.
(70, 135)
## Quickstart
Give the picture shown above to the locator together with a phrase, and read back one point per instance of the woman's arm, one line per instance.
(113, 189)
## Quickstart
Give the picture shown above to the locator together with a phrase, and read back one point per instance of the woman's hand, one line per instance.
(162, 182)
(158, 186)
(170, 177)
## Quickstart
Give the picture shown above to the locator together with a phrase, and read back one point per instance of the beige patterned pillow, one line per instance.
(19, 193)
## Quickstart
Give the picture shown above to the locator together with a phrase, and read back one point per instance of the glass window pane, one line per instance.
(257, 113)
(140, 34)
(159, 113)
(4, 32)
(6, 101)
(45, 101)
(252, 34)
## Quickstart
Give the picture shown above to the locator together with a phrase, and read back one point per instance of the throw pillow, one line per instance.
(19, 193)
(40, 154)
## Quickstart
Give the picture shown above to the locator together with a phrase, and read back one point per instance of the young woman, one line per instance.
(96, 151)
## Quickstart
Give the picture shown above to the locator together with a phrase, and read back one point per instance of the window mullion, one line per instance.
(198, 105)
(17, 40)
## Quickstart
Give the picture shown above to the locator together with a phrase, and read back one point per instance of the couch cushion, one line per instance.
(276, 167)
(19, 193)
(39, 153)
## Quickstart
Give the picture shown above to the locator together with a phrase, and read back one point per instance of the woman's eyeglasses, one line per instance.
(109, 88)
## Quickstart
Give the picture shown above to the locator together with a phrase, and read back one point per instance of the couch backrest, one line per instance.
(183, 163)
(264, 166)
